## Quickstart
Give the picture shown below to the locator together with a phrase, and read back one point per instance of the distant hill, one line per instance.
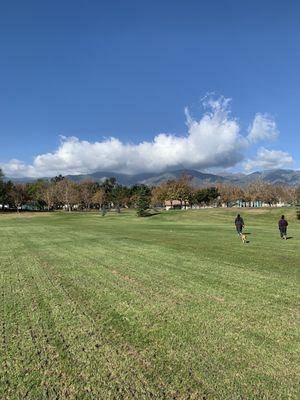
(153, 179)
(276, 177)
(279, 176)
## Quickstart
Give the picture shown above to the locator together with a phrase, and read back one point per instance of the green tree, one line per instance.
(119, 195)
(143, 201)
(35, 192)
(57, 178)
(7, 197)
(108, 185)
(206, 195)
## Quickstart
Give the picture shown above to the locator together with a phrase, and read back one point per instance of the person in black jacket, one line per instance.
(239, 224)
(282, 225)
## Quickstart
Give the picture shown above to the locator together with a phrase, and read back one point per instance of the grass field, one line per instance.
(171, 306)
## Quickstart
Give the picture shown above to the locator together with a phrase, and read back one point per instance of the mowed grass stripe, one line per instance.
(168, 315)
(70, 340)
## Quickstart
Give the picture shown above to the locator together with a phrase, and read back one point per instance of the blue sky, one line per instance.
(94, 70)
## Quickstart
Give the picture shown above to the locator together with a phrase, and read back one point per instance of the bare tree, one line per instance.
(99, 198)
(87, 189)
(159, 194)
(49, 195)
(230, 193)
(67, 193)
(18, 195)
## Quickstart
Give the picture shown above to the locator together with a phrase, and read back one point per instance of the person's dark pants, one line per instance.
(239, 229)
(282, 232)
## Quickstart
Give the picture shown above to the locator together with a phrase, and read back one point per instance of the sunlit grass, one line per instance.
(171, 306)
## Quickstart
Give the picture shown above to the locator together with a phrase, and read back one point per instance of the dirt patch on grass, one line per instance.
(217, 298)
(123, 277)
(22, 215)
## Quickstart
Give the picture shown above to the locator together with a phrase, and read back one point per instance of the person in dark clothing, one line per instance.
(282, 225)
(239, 224)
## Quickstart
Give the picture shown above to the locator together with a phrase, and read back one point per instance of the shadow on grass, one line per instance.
(150, 214)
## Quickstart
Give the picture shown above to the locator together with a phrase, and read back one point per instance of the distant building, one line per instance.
(253, 204)
(176, 205)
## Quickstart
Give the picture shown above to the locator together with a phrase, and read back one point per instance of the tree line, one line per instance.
(225, 194)
(62, 193)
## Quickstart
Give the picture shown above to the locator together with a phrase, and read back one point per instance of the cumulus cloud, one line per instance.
(269, 159)
(16, 168)
(263, 128)
(211, 141)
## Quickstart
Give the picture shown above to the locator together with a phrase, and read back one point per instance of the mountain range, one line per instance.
(278, 176)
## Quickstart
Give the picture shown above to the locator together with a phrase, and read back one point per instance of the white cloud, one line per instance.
(269, 159)
(212, 141)
(263, 128)
(16, 168)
